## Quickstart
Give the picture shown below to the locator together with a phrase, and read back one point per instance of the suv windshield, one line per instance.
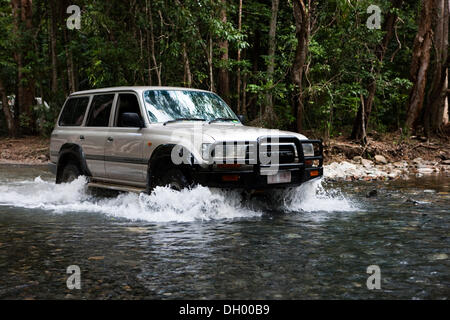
(167, 105)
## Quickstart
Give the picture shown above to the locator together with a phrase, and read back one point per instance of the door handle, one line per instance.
(110, 139)
(81, 137)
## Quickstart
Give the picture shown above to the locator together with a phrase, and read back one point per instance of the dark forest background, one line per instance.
(301, 65)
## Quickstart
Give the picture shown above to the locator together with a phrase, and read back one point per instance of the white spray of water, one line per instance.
(164, 204)
(313, 197)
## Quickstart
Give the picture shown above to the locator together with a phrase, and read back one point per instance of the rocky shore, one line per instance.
(380, 169)
(386, 157)
(24, 151)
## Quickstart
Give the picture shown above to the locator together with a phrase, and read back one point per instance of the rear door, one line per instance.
(124, 145)
(93, 139)
(69, 126)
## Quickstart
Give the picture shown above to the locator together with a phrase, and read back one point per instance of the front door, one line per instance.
(124, 145)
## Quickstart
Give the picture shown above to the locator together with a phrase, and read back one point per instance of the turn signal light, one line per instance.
(231, 177)
(314, 173)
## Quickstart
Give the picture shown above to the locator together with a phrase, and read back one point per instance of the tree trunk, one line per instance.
(69, 62)
(360, 125)
(223, 82)
(302, 32)
(11, 124)
(209, 53)
(238, 80)
(269, 112)
(149, 62)
(419, 65)
(22, 17)
(363, 120)
(152, 45)
(244, 95)
(53, 38)
(187, 78)
(435, 108)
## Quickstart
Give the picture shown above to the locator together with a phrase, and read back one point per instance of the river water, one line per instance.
(314, 242)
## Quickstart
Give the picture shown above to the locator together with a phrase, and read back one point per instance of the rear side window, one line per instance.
(73, 113)
(100, 110)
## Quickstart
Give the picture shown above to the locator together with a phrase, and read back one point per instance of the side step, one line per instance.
(116, 187)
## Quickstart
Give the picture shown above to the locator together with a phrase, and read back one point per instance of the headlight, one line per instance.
(206, 151)
(308, 150)
(230, 151)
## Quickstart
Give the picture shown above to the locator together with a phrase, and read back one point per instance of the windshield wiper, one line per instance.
(181, 119)
(222, 119)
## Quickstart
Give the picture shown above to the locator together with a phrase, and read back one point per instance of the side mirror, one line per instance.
(241, 118)
(131, 119)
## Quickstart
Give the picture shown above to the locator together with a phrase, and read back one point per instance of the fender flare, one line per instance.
(71, 151)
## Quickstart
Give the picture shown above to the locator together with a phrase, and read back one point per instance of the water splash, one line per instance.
(164, 204)
(313, 197)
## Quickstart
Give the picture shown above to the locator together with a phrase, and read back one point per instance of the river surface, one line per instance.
(315, 242)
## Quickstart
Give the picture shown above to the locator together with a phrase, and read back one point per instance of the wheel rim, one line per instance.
(72, 177)
(69, 176)
(175, 186)
(174, 180)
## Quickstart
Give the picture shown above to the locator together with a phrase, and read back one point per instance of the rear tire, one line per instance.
(70, 173)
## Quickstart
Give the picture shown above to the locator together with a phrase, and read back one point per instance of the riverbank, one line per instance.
(384, 157)
(26, 150)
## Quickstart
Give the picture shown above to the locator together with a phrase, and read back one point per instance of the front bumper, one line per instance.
(252, 180)
(303, 169)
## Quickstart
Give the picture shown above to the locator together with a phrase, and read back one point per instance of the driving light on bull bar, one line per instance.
(308, 149)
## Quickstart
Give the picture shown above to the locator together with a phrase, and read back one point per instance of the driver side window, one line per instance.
(126, 103)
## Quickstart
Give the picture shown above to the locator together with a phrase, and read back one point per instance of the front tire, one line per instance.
(175, 179)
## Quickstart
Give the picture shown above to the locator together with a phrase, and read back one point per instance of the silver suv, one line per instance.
(137, 138)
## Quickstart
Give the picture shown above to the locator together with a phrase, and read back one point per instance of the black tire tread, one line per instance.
(69, 170)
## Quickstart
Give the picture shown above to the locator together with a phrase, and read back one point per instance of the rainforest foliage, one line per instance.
(318, 66)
